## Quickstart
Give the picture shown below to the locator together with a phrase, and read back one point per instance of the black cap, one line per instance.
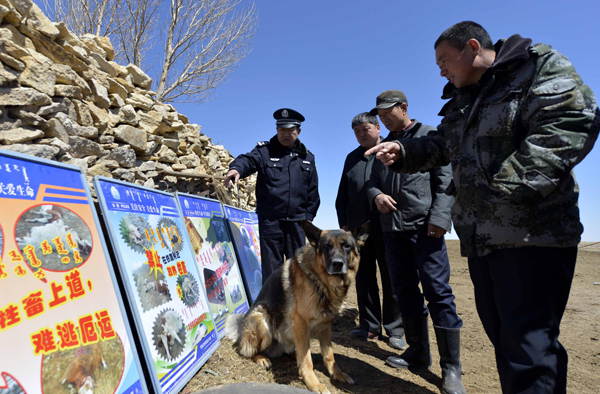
(388, 99)
(287, 118)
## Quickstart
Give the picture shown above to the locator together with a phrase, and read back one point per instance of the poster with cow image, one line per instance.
(63, 327)
(243, 226)
(215, 257)
(163, 285)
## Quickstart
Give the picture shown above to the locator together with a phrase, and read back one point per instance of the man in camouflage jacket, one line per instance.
(518, 120)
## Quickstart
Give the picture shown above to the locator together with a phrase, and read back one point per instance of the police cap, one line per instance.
(287, 118)
(388, 99)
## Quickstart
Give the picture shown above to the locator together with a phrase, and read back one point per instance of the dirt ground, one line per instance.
(364, 361)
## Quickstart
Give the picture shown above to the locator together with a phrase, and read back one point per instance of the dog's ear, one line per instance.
(313, 233)
(361, 234)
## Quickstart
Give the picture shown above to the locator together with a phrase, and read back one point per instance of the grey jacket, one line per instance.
(421, 197)
(513, 141)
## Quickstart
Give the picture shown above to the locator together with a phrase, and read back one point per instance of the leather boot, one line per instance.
(417, 355)
(448, 340)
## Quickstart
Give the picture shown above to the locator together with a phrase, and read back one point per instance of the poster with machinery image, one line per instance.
(63, 327)
(164, 287)
(243, 226)
(215, 257)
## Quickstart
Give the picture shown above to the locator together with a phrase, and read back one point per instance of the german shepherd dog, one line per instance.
(299, 301)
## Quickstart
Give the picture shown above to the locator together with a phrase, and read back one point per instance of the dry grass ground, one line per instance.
(364, 360)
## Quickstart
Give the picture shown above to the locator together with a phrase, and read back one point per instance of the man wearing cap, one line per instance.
(353, 210)
(286, 189)
(415, 215)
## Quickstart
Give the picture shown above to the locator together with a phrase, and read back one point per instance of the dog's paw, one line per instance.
(322, 389)
(343, 377)
(263, 361)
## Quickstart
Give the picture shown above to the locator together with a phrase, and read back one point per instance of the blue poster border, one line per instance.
(105, 252)
(130, 292)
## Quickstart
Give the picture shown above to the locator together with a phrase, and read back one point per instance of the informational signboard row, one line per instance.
(62, 314)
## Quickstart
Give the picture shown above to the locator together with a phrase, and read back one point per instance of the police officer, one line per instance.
(286, 188)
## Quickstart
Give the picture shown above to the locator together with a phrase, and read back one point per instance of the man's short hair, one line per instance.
(364, 117)
(458, 35)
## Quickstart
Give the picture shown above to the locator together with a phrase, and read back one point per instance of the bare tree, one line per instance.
(135, 30)
(99, 17)
(202, 40)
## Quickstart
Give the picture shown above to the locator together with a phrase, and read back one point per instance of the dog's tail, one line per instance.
(251, 333)
(233, 326)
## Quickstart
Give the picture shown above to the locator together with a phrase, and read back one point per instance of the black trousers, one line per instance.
(370, 315)
(279, 240)
(413, 257)
(521, 295)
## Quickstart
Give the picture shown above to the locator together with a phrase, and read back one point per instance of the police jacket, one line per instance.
(513, 140)
(286, 184)
(352, 206)
(421, 198)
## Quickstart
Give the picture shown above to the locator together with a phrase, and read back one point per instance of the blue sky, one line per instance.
(330, 59)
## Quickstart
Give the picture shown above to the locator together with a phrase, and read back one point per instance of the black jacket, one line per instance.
(421, 197)
(352, 204)
(287, 183)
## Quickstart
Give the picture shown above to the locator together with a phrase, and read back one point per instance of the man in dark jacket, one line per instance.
(415, 214)
(286, 189)
(518, 120)
(353, 210)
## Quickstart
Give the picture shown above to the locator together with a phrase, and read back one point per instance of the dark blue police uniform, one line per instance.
(286, 192)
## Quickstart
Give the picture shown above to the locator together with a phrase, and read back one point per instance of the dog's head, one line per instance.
(338, 248)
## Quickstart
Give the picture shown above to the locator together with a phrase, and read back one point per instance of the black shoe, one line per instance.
(362, 334)
(397, 342)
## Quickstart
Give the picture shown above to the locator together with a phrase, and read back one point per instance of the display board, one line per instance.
(63, 327)
(243, 226)
(163, 285)
(215, 257)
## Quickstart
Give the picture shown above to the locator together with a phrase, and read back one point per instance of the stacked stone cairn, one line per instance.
(63, 98)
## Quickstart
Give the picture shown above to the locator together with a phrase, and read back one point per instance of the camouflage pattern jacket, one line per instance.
(513, 140)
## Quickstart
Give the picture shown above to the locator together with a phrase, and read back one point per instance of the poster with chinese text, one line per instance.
(243, 226)
(63, 328)
(215, 257)
(163, 285)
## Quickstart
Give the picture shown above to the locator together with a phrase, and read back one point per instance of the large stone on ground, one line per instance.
(36, 17)
(56, 129)
(128, 115)
(75, 129)
(140, 101)
(23, 96)
(43, 151)
(38, 75)
(139, 77)
(81, 147)
(15, 136)
(68, 91)
(123, 155)
(132, 136)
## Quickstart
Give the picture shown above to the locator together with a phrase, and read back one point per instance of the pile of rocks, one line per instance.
(63, 98)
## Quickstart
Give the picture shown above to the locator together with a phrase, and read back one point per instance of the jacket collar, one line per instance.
(298, 147)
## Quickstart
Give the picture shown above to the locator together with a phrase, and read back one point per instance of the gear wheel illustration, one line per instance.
(134, 229)
(168, 334)
(188, 289)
